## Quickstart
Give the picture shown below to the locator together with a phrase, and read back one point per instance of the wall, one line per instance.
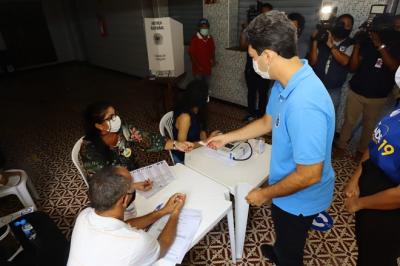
(60, 23)
(124, 47)
(227, 80)
(359, 9)
(308, 8)
(57, 14)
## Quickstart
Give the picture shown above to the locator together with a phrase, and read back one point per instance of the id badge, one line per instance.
(379, 63)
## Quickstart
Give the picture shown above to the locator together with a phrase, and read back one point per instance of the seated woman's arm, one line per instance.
(183, 125)
(154, 142)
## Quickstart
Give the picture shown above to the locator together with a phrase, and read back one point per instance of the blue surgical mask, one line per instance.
(204, 32)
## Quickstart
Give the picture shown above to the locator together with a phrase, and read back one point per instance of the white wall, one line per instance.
(124, 47)
(359, 9)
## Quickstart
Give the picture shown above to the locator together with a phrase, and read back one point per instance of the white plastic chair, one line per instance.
(75, 159)
(166, 128)
(19, 186)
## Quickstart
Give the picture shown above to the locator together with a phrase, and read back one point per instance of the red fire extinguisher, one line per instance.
(101, 23)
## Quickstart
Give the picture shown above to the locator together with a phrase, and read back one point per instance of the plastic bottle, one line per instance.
(27, 228)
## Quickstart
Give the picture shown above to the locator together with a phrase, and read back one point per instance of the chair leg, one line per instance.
(32, 189)
(25, 197)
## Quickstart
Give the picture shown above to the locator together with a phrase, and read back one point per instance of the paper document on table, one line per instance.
(215, 155)
(159, 173)
(189, 221)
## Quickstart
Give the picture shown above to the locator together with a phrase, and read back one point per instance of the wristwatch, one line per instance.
(174, 145)
(381, 47)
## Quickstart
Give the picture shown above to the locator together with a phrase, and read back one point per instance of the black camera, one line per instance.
(335, 26)
(382, 24)
(323, 27)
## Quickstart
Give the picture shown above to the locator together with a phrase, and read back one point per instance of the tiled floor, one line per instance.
(41, 119)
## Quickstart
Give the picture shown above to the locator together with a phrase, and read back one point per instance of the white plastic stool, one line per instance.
(17, 185)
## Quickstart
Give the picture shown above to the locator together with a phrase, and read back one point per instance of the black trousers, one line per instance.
(256, 85)
(291, 234)
(378, 237)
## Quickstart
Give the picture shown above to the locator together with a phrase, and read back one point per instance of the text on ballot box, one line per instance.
(165, 47)
(159, 173)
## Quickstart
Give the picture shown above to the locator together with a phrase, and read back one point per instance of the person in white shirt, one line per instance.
(101, 237)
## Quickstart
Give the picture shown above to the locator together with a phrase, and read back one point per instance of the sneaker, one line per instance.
(268, 253)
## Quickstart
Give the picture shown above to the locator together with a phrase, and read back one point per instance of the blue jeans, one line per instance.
(205, 78)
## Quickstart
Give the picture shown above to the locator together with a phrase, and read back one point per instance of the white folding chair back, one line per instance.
(75, 159)
(166, 126)
(20, 189)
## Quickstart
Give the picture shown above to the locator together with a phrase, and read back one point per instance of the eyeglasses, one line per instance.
(133, 193)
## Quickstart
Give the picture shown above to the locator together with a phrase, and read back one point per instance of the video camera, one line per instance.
(380, 22)
(327, 22)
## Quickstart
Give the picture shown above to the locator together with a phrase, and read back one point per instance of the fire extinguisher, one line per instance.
(101, 23)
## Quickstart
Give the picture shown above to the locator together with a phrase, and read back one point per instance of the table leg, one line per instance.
(241, 213)
(231, 229)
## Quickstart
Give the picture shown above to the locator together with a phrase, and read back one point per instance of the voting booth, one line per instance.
(164, 40)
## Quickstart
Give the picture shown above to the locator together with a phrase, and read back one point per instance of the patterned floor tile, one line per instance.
(45, 121)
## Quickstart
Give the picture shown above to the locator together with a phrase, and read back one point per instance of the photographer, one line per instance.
(375, 59)
(329, 58)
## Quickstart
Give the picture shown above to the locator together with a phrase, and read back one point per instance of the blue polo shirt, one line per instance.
(302, 133)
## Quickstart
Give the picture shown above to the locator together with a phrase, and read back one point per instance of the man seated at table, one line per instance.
(101, 237)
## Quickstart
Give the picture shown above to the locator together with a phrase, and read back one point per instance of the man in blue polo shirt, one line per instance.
(301, 116)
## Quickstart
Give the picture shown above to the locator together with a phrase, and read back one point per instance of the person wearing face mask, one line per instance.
(373, 194)
(202, 52)
(330, 59)
(110, 141)
(374, 61)
(257, 87)
(101, 237)
(301, 116)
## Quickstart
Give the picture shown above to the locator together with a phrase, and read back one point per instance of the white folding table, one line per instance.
(203, 194)
(238, 176)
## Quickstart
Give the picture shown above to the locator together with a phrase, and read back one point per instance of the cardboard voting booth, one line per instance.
(164, 40)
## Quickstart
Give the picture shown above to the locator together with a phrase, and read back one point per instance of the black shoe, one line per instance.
(268, 253)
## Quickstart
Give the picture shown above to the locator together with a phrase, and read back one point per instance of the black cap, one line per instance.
(203, 22)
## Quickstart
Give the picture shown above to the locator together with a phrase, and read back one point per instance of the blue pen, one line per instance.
(158, 207)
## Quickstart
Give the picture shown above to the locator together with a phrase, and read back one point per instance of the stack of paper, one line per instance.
(189, 222)
(159, 173)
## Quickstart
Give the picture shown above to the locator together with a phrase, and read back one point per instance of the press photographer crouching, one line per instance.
(375, 59)
(330, 53)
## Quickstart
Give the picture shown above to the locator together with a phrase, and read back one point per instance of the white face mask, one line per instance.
(114, 124)
(264, 75)
(397, 77)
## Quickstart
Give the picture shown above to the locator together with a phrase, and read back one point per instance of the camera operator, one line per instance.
(375, 59)
(255, 83)
(329, 58)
